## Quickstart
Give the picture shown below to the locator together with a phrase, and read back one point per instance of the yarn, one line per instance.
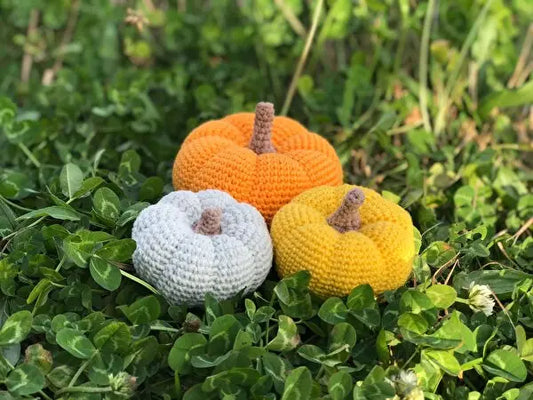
(344, 236)
(209, 222)
(257, 158)
(261, 141)
(189, 244)
(347, 217)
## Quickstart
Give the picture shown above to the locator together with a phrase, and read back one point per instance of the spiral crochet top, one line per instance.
(258, 158)
(189, 244)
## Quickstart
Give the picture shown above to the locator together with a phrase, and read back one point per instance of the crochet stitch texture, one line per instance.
(189, 244)
(344, 236)
(257, 158)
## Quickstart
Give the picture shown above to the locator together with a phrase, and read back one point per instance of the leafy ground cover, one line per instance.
(427, 102)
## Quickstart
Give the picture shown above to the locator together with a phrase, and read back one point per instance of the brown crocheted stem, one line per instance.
(347, 217)
(261, 141)
(209, 222)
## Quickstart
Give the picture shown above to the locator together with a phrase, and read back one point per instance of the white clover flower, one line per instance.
(480, 298)
(415, 394)
(122, 384)
(408, 378)
(406, 386)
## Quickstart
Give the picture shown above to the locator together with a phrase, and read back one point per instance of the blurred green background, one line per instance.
(105, 77)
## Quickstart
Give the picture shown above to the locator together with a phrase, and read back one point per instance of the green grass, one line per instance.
(427, 102)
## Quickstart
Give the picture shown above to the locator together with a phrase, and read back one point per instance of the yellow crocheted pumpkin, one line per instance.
(344, 236)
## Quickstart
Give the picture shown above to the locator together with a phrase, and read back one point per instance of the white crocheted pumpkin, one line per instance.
(189, 244)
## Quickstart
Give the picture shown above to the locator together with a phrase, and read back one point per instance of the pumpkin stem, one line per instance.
(261, 141)
(209, 222)
(347, 217)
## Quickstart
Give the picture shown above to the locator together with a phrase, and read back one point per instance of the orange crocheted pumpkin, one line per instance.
(257, 158)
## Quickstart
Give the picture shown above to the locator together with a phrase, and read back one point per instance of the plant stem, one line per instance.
(405, 364)
(49, 74)
(404, 15)
(15, 205)
(61, 262)
(469, 384)
(30, 155)
(80, 371)
(514, 146)
(320, 372)
(522, 59)
(291, 18)
(27, 60)
(139, 281)
(36, 222)
(85, 389)
(454, 75)
(423, 66)
(166, 329)
(45, 395)
(267, 331)
(303, 58)
(466, 46)
(25, 228)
